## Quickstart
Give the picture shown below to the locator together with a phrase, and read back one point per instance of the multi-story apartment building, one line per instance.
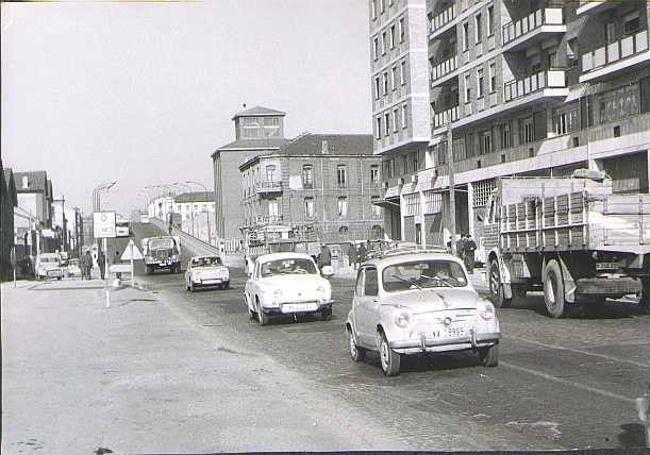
(258, 130)
(319, 187)
(527, 88)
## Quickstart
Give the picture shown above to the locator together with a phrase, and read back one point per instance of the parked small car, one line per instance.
(410, 302)
(48, 265)
(287, 284)
(206, 272)
(74, 267)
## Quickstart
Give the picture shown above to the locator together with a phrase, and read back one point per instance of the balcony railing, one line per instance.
(547, 16)
(267, 187)
(444, 68)
(613, 52)
(530, 84)
(443, 18)
(441, 118)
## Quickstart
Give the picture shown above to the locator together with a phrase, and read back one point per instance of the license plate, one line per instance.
(607, 266)
(296, 307)
(211, 281)
(449, 332)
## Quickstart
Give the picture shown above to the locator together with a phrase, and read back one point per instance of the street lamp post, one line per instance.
(207, 213)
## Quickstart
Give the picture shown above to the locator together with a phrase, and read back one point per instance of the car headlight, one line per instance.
(277, 295)
(323, 292)
(402, 318)
(486, 310)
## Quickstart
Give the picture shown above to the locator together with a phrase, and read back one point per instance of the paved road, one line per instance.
(567, 383)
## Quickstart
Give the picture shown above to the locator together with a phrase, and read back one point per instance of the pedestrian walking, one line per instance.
(470, 247)
(460, 247)
(87, 265)
(352, 256)
(101, 263)
(363, 252)
(325, 257)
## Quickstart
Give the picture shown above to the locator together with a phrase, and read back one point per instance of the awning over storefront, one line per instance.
(387, 202)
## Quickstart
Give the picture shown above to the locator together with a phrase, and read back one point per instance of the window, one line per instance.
(383, 43)
(610, 32)
(478, 28)
(565, 122)
(465, 36)
(490, 20)
(631, 25)
(378, 128)
(395, 120)
(402, 73)
(374, 173)
(404, 164)
(527, 131)
(493, 77)
(387, 123)
(375, 48)
(394, 74)
(382, 4)
(404, 116)
(342, 207)
(341, 175)
(506, 136)
(468, 89)
(270, 173)
(385, 83)
(479, 83)
(416, 164)
(485, 143)
(552, 60)
(251, 127)
(392, 37)
(370, 285)
(376, 210)
(308, 176)
(374, 9)
(309, 207)
(377, 88)
(273, 207)
(402, 31)
(25, 180)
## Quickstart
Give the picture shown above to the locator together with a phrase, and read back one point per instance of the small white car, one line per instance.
(74, 267)
(410, 302)
(287, 284)
(206, 272)
(48, 265)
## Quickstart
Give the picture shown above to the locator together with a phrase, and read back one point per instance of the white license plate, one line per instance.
(296, 307)
(211, 281)
(449, 332)
(607, 266)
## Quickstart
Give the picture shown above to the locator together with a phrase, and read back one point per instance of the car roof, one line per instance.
(408, 256)
(280, 256)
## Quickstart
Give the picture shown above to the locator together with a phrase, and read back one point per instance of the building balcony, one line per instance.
(592, 6)
(537, 25)
(266, 188)
(440, 119)
(537, 82)
(617, 56)
(441, 19)
(444, 68)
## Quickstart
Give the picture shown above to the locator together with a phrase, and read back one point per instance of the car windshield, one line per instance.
(161, 244)
(288, 266)
(423, 274)
(206, 262)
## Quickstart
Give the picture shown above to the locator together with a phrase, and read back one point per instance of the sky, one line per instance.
(142, 93)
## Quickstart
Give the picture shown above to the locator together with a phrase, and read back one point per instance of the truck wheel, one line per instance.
(389, 359)
(554, 290)
(496, 288)
(489, 356)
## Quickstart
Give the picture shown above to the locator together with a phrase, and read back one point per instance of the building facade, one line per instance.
(192, 212)
(317, 188)
(8, 201)
(527, 88)
(34, 213)
(258, 131)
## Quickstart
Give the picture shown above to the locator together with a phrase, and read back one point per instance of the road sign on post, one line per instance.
(132, 253)
(104, 225)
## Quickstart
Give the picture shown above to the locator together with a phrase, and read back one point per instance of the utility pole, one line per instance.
(452, 190)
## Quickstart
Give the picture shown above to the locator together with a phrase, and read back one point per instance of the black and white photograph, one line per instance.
(237, 226)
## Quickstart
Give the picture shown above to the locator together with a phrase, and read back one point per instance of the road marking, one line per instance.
(571, 383)
(579, 351)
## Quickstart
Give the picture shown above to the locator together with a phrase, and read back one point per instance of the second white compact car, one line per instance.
(206, 272)
(287, 284)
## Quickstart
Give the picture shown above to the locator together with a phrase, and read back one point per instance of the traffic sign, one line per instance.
(104, 225)
(131, 252)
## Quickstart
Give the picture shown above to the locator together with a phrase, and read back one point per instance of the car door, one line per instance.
(367, 304)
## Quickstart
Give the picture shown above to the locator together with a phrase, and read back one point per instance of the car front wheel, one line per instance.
(490, 355)
(389, 359)
(262, 318)
(357, 354)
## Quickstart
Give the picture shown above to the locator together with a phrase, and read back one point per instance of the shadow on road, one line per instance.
(632, 435)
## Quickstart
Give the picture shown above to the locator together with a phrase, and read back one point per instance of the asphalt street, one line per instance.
(560, 384)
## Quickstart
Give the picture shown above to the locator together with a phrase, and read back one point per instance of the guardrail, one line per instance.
(547, 16)
(613, 52)
(443, 18)
(530, 84)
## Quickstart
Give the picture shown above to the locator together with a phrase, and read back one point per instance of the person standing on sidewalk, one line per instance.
(362, 254)
(469, 246)
(325, 257)
(352, 255)
(101, 263)
(86, 265)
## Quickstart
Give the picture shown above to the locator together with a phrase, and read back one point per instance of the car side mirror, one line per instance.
(327, 271)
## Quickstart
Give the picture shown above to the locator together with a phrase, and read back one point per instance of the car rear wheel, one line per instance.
(357, 354)
(490, 355)
(389, 359)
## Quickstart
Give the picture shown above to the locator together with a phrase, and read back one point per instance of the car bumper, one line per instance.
(423, 344)
(212, 282)
(299, 307)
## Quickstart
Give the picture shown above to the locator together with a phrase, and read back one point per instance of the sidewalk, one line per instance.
(143, 377)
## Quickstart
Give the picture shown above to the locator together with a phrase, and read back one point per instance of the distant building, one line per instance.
(318, 187)
(33, 219)
(8, 201)
(258, 131)
(533, 88)
(193, 212)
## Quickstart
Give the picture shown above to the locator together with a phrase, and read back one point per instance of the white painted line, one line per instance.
(571, 383)
(579, 351)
